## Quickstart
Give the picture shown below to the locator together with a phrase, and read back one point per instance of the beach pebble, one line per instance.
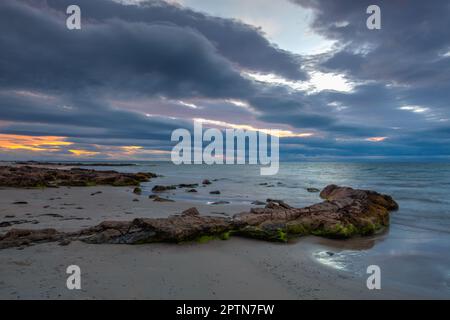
(20, 202)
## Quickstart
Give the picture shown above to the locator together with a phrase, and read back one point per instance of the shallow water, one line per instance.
(415, 251)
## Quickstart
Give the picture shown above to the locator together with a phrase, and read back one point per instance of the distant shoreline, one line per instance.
(73, 164)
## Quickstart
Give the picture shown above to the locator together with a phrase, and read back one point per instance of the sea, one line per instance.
(414, 251)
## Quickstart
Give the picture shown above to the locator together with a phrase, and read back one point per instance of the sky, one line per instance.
(309, 69)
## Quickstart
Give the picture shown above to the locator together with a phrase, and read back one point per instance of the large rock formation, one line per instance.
(346, 212)
(34, 177)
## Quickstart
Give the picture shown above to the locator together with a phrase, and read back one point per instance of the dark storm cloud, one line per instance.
(39, 52)
(85, 118)
(123, 58)
(240, 43)
(65, 79)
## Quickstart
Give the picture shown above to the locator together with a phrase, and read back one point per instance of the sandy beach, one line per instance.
(234, 269)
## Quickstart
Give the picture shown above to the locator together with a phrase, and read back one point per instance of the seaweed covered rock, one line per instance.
(179, 228)
(37, 177)
(25, 237)
(346, 212)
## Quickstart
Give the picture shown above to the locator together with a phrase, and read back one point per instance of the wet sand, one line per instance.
(233, 269)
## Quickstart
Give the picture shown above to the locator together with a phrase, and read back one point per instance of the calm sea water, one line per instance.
(415, 251)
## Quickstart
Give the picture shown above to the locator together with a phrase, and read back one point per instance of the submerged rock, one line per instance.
(219, 202)
(160, 199)
(312, 190)
(206, 181)
(346, 212)
(159, 188)
(189, 185)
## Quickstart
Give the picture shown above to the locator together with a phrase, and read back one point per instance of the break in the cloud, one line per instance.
(139, 69)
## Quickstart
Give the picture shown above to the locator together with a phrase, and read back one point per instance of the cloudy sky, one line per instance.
(309, 69)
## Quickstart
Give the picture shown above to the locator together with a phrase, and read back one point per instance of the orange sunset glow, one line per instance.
(32, 143)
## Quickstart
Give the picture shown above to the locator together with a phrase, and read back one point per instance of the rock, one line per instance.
(53, 215)
(312, 190)
(96, 193)
(172, 229)
(346, 212)
(159, 199)
(159, 188)
(219, 202)
(191, 190)
(277, 204)
(135, 200)
(137, 190)
(24, 237)
(64, 242)
(191, 185)
(258, 203)
(190, 212)
(20, 202)
(263, 184)
(10, 216)
(206, 181)
(215, 192)
(40, 177)
(74, 164)
(5, 224)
